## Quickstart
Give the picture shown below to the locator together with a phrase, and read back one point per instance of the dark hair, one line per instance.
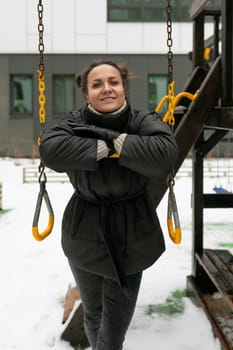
(82, 77)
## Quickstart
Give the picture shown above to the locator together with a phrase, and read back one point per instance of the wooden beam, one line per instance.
(198, 42)
(218, 200)
(191, 124)
(193, 121)
(193, 84)
(220, 118)
(227, 53)
(210, 41)
(197, 7)
(208, 144)
(197, 200)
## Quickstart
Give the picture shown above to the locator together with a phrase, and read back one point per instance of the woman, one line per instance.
(110, 230)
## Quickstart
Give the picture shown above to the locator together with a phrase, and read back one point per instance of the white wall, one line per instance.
(80, 26)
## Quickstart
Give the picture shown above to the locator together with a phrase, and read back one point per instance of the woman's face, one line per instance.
(105, 90)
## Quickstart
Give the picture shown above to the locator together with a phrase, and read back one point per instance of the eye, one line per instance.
(96, 85)
(114, 82)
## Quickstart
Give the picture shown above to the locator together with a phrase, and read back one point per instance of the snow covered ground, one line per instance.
(35, 275)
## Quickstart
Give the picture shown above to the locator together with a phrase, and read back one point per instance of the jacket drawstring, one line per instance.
(114, 252)
(108, 235)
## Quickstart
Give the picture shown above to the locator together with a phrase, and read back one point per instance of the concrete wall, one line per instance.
(18, 133)
(80, 26)
(75, 32)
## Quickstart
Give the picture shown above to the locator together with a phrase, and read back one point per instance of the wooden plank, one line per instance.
(215, 264)
(222, 316)
(206, 263)
(213, 273)
(226, 258)
(197, 7)
(72, 295)
(74, 332)
(225, 255)
(223, 270)
(217, 311)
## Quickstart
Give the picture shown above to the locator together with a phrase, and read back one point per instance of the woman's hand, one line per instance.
(92, 131)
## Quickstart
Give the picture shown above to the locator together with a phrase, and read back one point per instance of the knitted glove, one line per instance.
(118, 142)
(102, 150)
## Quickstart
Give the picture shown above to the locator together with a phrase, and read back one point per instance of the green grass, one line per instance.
(173, 305)
(4, 211)
(82, 347)
(61, 301)
(218, 225)
(226, 245)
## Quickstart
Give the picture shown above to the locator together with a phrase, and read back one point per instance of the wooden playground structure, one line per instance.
(203, 124)
(212, 270)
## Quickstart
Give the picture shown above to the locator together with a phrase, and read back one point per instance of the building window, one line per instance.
(150, 10)
(157, 89)
(21, 93)
(63, 93)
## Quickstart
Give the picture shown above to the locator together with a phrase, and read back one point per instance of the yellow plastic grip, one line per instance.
(40, 236)
(114, 155)
(172, 213)
(175, 235)
(43, 194)
(173, 102)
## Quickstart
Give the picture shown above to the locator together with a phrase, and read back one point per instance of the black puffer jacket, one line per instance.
(109, 226)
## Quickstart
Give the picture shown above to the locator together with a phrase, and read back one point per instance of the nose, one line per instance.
(107, 87)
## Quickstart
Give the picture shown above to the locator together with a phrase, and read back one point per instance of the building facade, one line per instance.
(75, 33)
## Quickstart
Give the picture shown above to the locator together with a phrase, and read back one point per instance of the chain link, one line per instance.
(41, 36)
(42, 176)
(169, 42)
(41, 68)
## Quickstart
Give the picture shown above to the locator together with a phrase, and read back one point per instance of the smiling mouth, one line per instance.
(108, 99)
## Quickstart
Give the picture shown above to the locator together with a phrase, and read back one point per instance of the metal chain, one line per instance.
(41, 83)
(41, 36)
(171, 181)
(169, 42)
(42, 176)
(41, 80)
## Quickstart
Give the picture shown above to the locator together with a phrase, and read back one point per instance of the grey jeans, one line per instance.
(107, 311)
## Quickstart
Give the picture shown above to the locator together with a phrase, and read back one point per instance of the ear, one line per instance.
(86, 98)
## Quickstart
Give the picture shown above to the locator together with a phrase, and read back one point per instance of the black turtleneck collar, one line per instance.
(116, 121)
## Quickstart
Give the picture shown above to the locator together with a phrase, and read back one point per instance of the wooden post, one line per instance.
(72, 296)
(227, 53)
(74, 332)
